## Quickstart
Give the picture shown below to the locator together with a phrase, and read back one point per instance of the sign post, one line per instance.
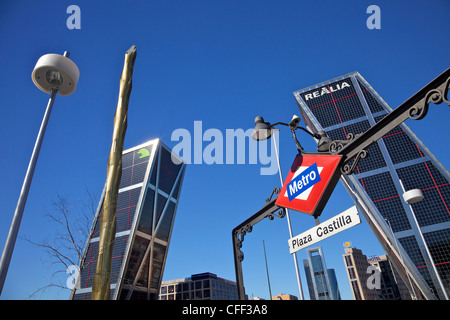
(338, 223)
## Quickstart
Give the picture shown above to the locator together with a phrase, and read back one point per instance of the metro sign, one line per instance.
(310, 182)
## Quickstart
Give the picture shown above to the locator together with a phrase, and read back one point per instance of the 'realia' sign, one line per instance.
(310, 182)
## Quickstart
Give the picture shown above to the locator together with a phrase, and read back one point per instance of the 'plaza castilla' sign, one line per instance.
(341, 222)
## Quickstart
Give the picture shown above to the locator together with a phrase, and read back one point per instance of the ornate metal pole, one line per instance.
(238, 233)
(101, 284)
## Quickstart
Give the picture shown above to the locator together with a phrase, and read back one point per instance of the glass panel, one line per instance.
(439, 245)
(146, 219)
(373, 104)
(176, 190)
(168, 171)
(126, 208)
(134, 166)
(143, 278)
(158, 257)
(160, 207)
(136, 256)
(96, 231)
(166, 223)
(120, 244)
(435, 189)
(154, 170)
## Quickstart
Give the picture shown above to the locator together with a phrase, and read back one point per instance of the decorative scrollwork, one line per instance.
(338, 145)
(281, 214)
(238, 243)
(349, 169)
(243, 231)
(275, 191)
(435, 96)
(240, 233)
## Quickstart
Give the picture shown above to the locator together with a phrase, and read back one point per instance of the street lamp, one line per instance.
(410, 197)
(263, 131)
(52, 73)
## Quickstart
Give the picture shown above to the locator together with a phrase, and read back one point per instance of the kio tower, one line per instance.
(348, 105)
(148, 197)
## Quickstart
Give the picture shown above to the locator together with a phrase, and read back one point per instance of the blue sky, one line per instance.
(219, 62)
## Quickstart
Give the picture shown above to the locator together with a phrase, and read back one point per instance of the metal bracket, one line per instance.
(349, 169)
(337, 145)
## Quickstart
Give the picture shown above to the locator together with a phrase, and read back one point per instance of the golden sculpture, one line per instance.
(101, 284)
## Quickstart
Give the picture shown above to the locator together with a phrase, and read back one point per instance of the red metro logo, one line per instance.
(310, 182)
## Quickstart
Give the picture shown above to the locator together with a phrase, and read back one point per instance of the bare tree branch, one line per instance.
(65, 247)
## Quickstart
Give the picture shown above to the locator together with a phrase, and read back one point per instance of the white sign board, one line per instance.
(341, 222)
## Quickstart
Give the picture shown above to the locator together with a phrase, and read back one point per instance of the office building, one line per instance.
(284, 296)
(357, 271)
(357, 267)
(147, 202)
(322, 282)
(391, 285)
(348, 105)
(202, 286)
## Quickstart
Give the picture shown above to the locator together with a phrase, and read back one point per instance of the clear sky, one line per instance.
(219, 62)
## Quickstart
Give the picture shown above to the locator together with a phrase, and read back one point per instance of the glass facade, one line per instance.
(203, 286)
(148, 196)
(349, 105)
(322, 282)
(390, 285)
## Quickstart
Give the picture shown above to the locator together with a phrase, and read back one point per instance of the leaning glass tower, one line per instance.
(147, 201)
(348, 105)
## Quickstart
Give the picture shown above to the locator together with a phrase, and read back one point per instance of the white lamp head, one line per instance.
(54, 71)
(413, 196)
